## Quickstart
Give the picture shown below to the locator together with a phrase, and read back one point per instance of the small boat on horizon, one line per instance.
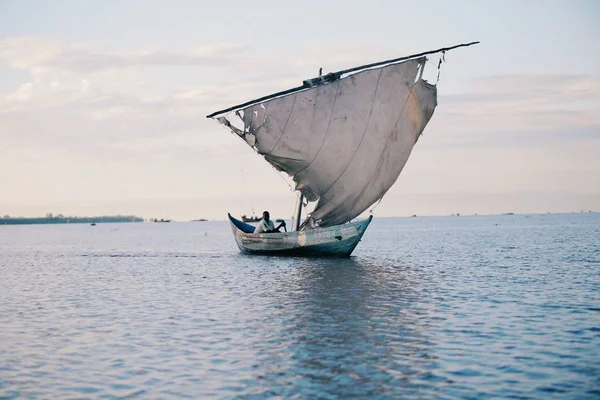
(253, 218)
(161, 220)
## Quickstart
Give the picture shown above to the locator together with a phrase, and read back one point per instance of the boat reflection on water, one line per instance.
(352, 327)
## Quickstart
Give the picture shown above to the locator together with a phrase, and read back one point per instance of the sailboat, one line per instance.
(344, 138)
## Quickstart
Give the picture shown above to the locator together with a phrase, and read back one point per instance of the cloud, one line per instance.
(82, 97)
(38, 53)
(116, 109)
(518, 111)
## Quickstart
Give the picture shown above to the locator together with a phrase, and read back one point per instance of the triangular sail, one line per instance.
(344, 141)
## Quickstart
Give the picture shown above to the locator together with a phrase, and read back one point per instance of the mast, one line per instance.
(299, 212)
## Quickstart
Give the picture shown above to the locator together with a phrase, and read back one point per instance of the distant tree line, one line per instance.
(61, 219)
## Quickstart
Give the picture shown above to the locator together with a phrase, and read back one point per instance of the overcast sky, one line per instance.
(103, 104)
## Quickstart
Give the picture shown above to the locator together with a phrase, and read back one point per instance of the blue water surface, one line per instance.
(450, 307)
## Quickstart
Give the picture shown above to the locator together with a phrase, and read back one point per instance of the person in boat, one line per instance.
(266, 225)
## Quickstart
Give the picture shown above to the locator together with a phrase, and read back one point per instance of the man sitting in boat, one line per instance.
(266, 225)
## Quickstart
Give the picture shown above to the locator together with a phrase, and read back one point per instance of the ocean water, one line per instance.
(451, 307)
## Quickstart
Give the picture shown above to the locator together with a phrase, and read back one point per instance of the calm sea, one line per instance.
(451, 307)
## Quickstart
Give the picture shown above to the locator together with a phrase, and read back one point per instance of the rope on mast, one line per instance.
(245, 181)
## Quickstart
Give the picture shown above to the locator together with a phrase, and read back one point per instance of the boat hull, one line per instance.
(334, 241)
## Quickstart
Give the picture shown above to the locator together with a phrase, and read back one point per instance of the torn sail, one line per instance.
(344, 142)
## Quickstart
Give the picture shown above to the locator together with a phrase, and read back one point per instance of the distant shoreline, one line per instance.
(69, 220)
(131, 218)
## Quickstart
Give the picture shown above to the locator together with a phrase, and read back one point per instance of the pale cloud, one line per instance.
(519, 111)
(109, 93)
(34, 53)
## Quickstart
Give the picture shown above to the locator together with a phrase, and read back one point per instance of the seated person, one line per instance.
(266, 225)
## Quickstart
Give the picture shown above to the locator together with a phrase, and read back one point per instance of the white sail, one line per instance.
(344, 142)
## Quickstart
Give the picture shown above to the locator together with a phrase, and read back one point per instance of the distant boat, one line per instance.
(93, 224)
(344, 138)
(199, 220)
(253, 218)
(161, 220)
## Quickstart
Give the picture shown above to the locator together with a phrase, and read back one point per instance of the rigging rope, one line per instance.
(244, 175)
(256, 151)
(442, 59)
(245, 181)
(280, 175)
(376, 205)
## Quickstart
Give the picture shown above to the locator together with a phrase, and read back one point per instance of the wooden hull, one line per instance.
(334, 241)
